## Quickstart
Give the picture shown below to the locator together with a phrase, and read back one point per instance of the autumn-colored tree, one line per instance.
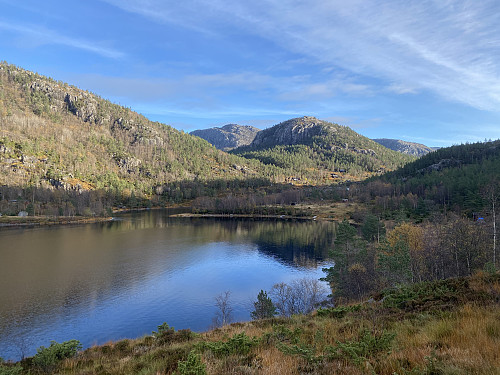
(412, 238)
(353, 264)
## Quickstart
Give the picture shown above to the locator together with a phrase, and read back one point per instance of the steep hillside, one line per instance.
(410, 148)
(461, 177)
(56, 137)
(229, 136)
(308, 147)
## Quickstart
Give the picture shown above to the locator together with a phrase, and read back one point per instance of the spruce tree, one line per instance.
(264, 307)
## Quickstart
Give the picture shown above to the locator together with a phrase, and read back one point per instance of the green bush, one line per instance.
(240, 343)
(304, 351)
(10, 370)
(167, 334)
(338, 312)
(367, 345)
(47, 358)
(192, 365)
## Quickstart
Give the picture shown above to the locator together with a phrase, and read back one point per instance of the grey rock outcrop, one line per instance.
(228, 136)
(290, 132)
(409, 148)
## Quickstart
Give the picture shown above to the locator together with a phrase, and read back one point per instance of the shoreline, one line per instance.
(32, 221)
(250, 216)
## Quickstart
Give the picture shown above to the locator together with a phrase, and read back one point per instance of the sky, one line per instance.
(425, 71)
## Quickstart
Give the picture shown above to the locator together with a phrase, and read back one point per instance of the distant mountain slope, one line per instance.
(410, 148)
(456, 176)
(229, 136)
(56, 137)
(307, 146)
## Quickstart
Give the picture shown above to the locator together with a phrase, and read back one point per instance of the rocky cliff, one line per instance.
(294, 131)
(409, 148)
(229, 136)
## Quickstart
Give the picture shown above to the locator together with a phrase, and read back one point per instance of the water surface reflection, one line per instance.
(119, 279)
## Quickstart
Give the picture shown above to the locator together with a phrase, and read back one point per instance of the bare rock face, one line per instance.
(229, 136)
(290, 132)
(409, 148)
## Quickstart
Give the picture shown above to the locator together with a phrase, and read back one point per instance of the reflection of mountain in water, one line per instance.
(47, 273)
(295, 243)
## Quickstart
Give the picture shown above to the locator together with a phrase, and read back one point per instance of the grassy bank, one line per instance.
(444, 327)
(16, 221)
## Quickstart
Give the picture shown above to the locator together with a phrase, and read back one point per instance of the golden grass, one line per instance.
(465, 340)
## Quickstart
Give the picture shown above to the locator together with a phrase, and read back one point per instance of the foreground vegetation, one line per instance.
(445, 327)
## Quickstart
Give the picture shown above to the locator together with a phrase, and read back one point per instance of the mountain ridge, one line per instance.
(405, 147)
(229, 136)
(307, 144)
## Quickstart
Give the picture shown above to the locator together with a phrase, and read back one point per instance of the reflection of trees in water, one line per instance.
(296, 243)
(77, 267)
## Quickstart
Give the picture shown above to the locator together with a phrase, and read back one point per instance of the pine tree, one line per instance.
(264, 307)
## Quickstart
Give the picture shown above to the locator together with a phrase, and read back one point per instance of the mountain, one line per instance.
(309, 147)
(410, 148)
(229, 136)
(57, 138)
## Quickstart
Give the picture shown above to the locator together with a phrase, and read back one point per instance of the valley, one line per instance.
(405, 241)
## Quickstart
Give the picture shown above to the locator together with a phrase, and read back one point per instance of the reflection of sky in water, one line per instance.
(101, 282)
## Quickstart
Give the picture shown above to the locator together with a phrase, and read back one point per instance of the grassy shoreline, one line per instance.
(443, 327)
(30, 221)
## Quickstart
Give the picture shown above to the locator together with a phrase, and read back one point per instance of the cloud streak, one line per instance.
(297, 88)
(43, 36)
(449, 48)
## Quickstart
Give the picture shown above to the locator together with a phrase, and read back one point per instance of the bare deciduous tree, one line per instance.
(224, 314)
(300, 297)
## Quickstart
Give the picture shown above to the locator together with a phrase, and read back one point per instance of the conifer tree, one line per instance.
(264, 307)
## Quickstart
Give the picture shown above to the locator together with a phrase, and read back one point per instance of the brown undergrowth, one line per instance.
(445, 327)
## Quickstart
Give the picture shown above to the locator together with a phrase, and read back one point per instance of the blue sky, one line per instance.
(422, 71)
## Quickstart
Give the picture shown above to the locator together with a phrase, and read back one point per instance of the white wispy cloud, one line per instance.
(298, 88)
(42, 36)
(449, 48)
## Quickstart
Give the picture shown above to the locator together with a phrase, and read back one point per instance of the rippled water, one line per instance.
(121, 279)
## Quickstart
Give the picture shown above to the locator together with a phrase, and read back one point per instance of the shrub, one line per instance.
(166, 334)
(240, 343)
(366, 345)
(122, 345)
(10, 370)
(192, 365)
(47, 358)
(307, 352)
(338, 312)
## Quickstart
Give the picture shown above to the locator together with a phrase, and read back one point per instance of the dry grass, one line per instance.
(464, 340)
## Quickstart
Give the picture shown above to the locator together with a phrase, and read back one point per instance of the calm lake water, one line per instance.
(121, 279)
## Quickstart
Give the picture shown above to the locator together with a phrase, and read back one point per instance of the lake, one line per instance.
(123, 278)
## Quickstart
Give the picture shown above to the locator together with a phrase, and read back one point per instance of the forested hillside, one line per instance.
(307, 148)
(67, 151)
(459, 178)
(443, 211)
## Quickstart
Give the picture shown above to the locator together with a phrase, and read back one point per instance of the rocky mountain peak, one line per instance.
(409, 148)
(229, 136)
(292, 131)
